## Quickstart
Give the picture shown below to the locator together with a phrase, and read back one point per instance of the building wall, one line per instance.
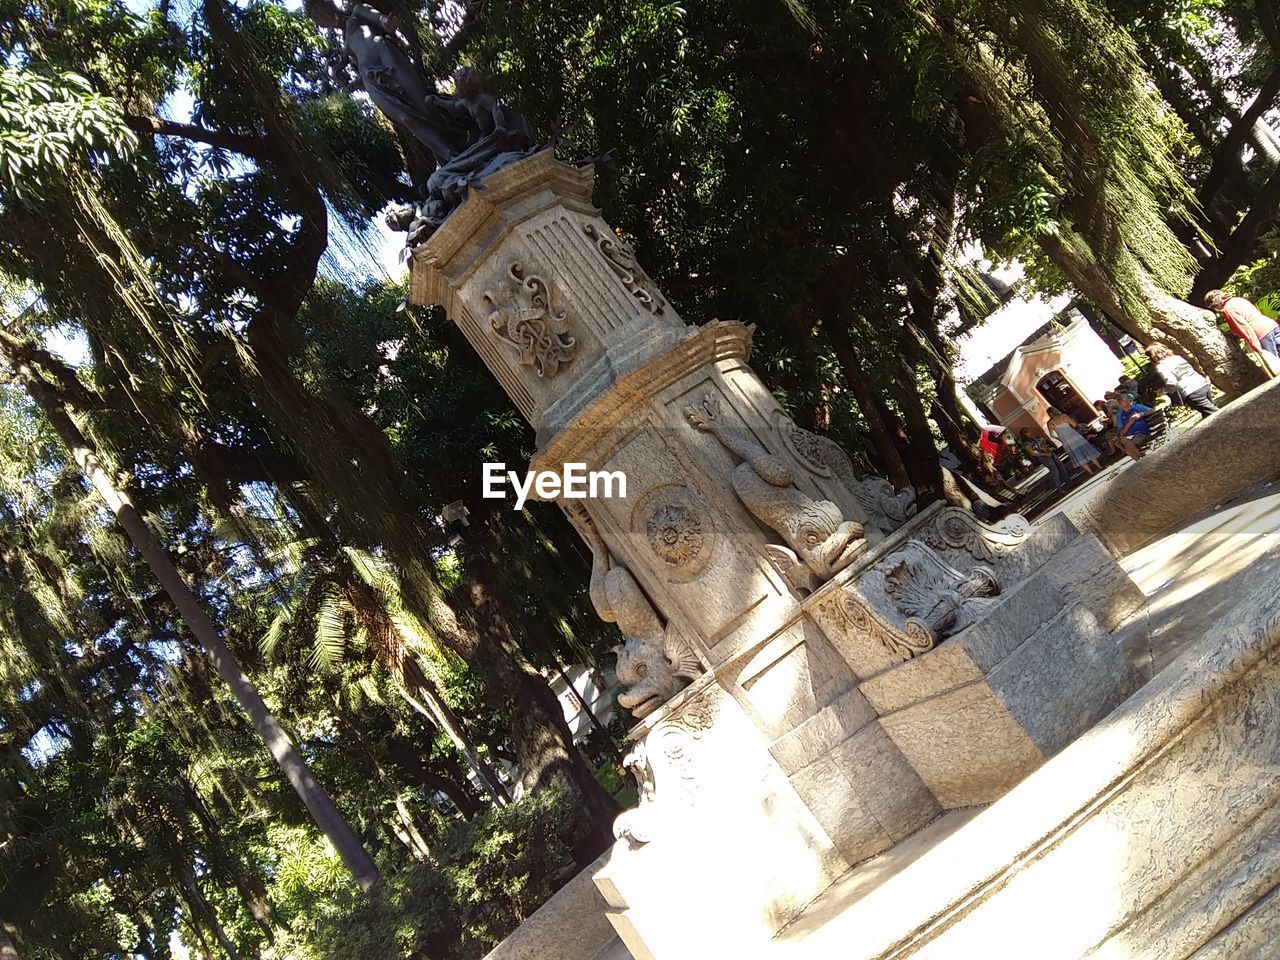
(1078, 352)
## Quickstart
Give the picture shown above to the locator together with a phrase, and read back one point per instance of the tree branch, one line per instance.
(153, 126)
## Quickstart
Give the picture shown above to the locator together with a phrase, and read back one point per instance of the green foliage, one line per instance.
(1259, 281)
(51, 121)
(807, 165)
(488, 875)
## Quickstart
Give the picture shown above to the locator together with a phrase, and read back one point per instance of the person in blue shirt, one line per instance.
(1131, 419)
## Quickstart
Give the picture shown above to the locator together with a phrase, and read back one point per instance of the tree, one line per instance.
(295, 770)
(1102, 154)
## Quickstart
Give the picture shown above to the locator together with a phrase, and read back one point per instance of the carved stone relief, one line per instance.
(663, 761)
(520, 313)
(903, 641)
(958, 529)
(622, 261)
(820, 542)
(884, 508)
(678, 529)
(655, 662)
(887, 509)
(912, 599)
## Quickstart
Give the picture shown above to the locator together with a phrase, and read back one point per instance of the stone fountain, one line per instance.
(818, 668)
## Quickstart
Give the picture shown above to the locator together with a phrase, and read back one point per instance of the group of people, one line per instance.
(1125, 422)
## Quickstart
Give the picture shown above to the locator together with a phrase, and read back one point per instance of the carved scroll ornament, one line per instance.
(622, 261)
(958, 529)
(913, 599)
(520, 313)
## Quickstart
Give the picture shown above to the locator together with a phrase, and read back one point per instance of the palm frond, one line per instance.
(270, 641)
(330, 641)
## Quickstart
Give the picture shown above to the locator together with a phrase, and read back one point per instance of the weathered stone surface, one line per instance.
(570, 926)
(1064, 679)
(1152, 836)
(863, 791)
(1253, 936)
(1230, 452)
(726, 832)
(791, 679)
(823, 732)
(766, 775)
(1085, 573)
(964, 745)
(973, 725)
(888, 786)
(830, 791)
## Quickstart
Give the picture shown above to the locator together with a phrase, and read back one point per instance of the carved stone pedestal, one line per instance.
(850, 669)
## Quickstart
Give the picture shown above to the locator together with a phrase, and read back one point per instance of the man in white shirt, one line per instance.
(1187, 385)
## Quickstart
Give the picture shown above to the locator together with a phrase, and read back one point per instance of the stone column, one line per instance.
(764, 590)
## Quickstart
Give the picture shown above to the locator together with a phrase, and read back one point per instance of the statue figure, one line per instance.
(820, 541)
(486, 113)
(885, 509)
(470, 135)
(638, 825)
(390, 79)
(654, 661)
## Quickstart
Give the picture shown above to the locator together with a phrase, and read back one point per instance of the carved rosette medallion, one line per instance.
(677, 528)
(622, 261)
(520, 313)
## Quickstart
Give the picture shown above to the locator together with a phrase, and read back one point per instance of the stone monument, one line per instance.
(818, 668)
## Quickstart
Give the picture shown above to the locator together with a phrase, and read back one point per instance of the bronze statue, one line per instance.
(390, 78)
(471, 135)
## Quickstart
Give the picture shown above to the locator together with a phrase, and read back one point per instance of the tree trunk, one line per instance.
(1227, 156)
(1192, 330)
(398, 655)
(881, 436)
(199, 907)
(253, 893)
(1215, 354)
(423, 696)
(959, 432)
(926, 471)
(1238, 247)
(295, 770)
(538, 725)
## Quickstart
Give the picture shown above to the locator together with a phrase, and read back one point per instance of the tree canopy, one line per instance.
(192, 293)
